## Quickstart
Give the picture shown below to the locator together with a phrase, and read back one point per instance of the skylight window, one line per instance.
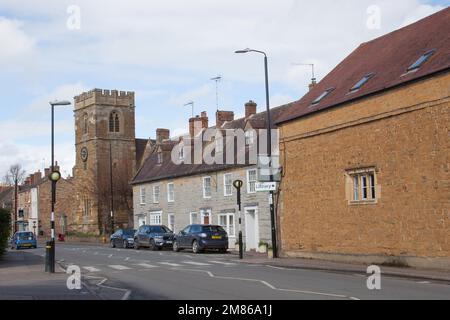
(322, 96)
(419, 63)
(362, 82)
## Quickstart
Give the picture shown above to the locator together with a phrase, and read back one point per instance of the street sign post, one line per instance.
(238, 184)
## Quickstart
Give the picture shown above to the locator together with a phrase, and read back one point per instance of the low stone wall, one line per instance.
(382, 260)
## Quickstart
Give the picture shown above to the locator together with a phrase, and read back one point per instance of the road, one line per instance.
(130, 274)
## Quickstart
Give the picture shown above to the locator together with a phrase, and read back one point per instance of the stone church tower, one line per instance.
(106, 159)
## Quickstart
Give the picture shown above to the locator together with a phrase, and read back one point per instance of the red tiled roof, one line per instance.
(152, 171)
(388, 57)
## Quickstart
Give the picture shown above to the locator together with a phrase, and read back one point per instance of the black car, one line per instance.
(123, 238)
(153, 237)
(200, 238)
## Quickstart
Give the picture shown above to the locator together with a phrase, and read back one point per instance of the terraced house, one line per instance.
(180, 194)
(366, 154)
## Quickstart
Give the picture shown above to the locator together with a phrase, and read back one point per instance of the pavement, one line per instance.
(128, 274)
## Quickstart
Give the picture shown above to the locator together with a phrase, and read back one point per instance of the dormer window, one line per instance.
(114, 122)
(362, 82)
(160, 157)
(322, 96)
(419, 63)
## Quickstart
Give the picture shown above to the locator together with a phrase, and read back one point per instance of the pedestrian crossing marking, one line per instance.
(119, 267)
(224, 263)
(196, 263)
(146, 265)
(170, 264)
(91, 269)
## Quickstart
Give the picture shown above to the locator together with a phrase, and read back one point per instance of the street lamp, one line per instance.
(269, 146)
(54, 177)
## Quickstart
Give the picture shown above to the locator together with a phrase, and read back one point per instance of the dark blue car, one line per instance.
(153, 237)
(123, 238)
(200, 238)
(23, 240)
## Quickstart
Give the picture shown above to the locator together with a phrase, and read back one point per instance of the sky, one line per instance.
(167, 51)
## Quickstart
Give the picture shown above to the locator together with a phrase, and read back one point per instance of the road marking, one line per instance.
(196, 263)
(119, 267)
(224, 263)
(267, 284)
(128, 258)
(424, 282)
(146, 265)
(110, 256)
(91, 269)
(170, 264)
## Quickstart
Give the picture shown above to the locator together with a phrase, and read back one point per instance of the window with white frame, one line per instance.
(252, 178)
(156, 193)
(142, 195)
(228, 185)
(171, 222)
(170, 192)
(226, 221)
(250, 137)
(206, 187)
(363, 185)
(156, 218)
(160, 158)
(193, 218)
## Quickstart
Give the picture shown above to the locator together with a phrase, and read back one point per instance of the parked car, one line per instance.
(200, 238)
(123, 238)
(23, 240)
(153, 237)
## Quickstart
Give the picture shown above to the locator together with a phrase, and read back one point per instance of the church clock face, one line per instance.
(84, 154)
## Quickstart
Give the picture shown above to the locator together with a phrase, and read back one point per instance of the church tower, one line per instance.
(105, 160)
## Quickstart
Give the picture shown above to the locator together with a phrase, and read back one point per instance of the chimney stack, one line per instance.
(37, 177)
(198, 124)
(222, 117)
(250, 109)
(161, 135)
(312, 84)
(47, 172)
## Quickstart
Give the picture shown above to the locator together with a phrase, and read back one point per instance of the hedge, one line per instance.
(5, 229)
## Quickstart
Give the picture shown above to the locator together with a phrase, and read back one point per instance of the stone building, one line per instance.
(366, 154)
(180, 194)
(107, 155)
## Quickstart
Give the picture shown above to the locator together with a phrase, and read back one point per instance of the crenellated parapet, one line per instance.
(106, 97)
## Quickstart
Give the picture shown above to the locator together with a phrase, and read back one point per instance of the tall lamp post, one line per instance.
(54, 177)
(269, 147)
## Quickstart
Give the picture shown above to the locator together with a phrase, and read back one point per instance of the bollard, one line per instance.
(48, 248)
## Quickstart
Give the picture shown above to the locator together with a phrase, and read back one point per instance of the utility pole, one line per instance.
(238, 185)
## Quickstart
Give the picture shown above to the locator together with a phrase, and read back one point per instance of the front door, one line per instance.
(251, 229)
(206, 217)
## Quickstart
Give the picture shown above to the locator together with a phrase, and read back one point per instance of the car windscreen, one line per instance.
(25, 236)
(129, 232)
(159, 229)
(213, 229)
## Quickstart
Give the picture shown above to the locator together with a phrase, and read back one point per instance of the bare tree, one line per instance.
(15, 176)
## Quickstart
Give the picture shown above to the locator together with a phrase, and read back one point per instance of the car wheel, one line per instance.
(125, 244)
(175, 247)
(112, 244)
(223, 251)
(136, 245)
(195, 247)
(153, 245)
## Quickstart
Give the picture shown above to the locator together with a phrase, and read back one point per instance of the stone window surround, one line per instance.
(350, 174)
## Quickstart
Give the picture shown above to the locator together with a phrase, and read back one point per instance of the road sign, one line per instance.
(266, 186)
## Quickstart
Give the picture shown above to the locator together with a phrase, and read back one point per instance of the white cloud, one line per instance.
(420, 12)
(15, 42)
